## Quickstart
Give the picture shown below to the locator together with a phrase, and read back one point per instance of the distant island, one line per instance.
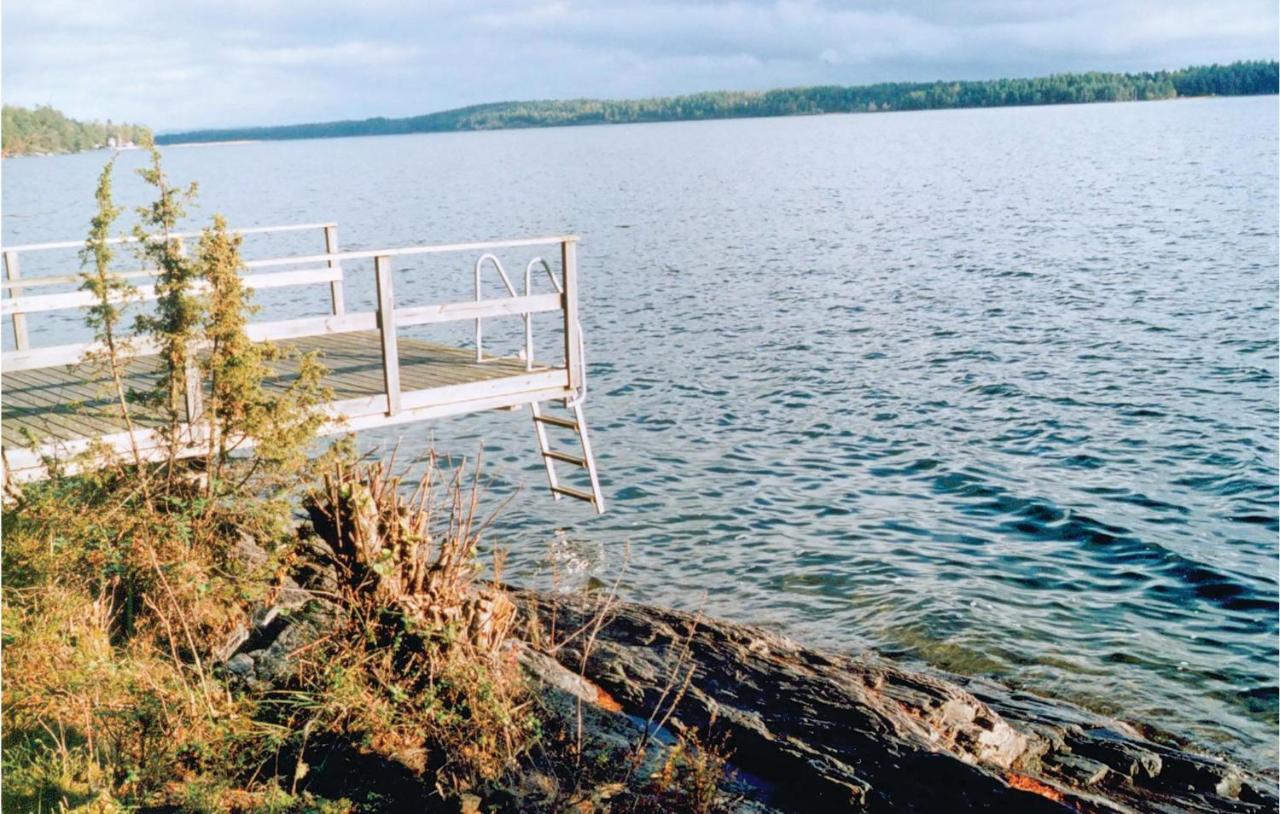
(1236, 79)
(43, 130)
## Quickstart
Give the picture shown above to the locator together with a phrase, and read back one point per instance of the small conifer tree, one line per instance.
(175, 322)
(239, 407)
(111, 293)
(212, 384)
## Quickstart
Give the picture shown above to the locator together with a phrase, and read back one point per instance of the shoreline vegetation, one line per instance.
(1236, 79)
(46, 131)
(287, 633)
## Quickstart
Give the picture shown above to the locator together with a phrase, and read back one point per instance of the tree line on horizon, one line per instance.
(1236, 79)
(32, 131)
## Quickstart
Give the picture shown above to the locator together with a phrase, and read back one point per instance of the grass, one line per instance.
(115, 608)
(108, 609)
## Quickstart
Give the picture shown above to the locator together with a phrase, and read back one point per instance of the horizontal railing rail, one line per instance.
(38, 303)
(56, 355)
(16, 306)
(335, 256)
(409, 251)
(240, 230)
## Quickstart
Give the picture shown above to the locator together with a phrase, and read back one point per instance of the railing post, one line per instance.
(387, 326)
(479, 334)
(13, 272)
(194, 392)
(528, 318)
(572, 355)
(335, 287)
(193, 395)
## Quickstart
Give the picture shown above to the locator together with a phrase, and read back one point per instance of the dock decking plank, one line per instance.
(55, 411)
(87, 387)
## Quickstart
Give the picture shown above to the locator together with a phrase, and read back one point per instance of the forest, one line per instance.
(40, 130)
(1236, 79)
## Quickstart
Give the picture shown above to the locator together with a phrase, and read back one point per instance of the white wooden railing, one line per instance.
(387, 318)
(15, 284)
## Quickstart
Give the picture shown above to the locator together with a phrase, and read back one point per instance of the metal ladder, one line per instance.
(549, 456)
(572, 403)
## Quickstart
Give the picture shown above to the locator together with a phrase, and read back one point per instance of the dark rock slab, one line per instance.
(833, 731)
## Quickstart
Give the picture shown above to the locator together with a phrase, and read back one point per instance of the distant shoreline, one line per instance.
(1254, 78)
(44, 131)
(51, 154)
(114, 150)
(687, 121)
(214, 143)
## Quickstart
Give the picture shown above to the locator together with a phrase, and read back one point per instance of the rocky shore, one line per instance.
(803, 729)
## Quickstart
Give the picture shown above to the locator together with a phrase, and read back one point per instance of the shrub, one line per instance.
(421, 672)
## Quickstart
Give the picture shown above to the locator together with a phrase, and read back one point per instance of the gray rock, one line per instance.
(249, 552)
(837, 731)
(241, 666)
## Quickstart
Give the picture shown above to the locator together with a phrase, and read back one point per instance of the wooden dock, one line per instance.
(54, 404)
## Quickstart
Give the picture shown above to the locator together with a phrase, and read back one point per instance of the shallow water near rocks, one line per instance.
(993, 390)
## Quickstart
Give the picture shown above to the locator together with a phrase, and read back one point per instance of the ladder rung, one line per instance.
(558, 422)
(580, 495)
(569, 459)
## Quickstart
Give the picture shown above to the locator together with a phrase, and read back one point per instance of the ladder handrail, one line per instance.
(497, 264)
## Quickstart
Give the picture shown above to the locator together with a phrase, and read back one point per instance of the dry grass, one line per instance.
(420, 673)
(115, 605)
(109, 607)
(691, 779)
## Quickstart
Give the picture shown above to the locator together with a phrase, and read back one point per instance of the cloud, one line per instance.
(204, 63)
(348, 54)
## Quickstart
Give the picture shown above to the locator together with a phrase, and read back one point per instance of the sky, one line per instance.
(186, 64)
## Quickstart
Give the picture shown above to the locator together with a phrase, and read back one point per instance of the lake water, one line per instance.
(992, 390)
